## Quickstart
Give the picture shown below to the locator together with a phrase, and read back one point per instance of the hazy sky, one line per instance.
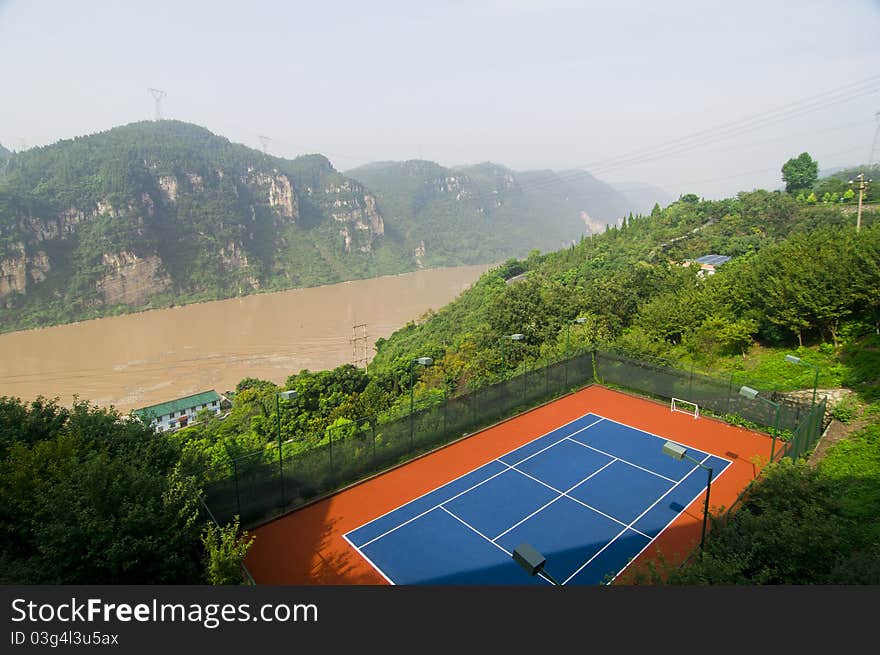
(526, 83)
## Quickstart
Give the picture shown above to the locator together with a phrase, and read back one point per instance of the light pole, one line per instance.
(748, 392)
(287, 395)
(675, 451)
(532, 561)
(512, 337)
(580, 320)
(798, 360)
(424, 361)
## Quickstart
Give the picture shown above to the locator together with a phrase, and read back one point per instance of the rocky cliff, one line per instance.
(162, 212)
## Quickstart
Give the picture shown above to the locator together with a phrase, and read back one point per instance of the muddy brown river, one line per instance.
(150, 357)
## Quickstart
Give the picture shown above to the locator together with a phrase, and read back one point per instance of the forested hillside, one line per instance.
(487, 212)
(797, 273)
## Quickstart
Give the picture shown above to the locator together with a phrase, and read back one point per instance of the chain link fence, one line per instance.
(266, 483)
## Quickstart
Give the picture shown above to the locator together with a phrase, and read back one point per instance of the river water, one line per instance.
(142, 359)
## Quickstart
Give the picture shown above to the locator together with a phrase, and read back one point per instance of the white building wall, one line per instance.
(168, 422)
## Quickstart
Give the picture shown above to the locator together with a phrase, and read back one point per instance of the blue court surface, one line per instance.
(589, 496)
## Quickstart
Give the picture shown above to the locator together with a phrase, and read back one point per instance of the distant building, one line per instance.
(175, 414)
(707, 263)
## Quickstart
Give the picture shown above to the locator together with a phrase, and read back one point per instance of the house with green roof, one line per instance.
(178, 413)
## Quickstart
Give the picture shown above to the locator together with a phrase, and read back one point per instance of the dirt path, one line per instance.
(835, 432)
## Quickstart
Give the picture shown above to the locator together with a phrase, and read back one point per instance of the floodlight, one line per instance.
(674, 450)
(532, 561)
(679, 452)
(748, 392)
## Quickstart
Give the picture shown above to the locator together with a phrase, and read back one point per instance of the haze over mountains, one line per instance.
(164, 212)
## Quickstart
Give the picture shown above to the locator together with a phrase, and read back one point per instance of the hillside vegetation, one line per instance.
(486, 213)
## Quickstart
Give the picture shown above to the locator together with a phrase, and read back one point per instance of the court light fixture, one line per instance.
(424, 361)
(753, 394)
(286, 395)
(679, 452)
(532, 561)
(748, 392)
(797, 360)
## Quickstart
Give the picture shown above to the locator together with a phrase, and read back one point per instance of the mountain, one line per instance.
(642, 197)
(494, 211)
(4, 153)
(158, 213)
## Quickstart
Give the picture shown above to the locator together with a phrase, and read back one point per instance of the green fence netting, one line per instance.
(266, 483)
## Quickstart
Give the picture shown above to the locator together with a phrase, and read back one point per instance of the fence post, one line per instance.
(237, 495)
(729, 391)
(445, 410)
(547, 378)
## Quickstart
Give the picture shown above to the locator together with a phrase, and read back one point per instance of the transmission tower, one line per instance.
(359, 345)
(264, 141)
(157, 94)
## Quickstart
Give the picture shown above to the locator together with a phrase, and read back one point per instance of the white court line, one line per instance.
(629, 527)
(657, 436)
(364, 545)
(586, 445)
(369, 561)
(468, 525)
(555, 443)
(561, 495)
(579, 502)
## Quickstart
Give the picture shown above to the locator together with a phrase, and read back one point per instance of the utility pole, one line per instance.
(863, 185)
(157, 94)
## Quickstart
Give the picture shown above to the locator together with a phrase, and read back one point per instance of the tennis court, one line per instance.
(583, 479)
(589, 496)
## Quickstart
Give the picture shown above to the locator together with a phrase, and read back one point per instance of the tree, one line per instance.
(87, 497)
(225, 550)
(800, 173)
